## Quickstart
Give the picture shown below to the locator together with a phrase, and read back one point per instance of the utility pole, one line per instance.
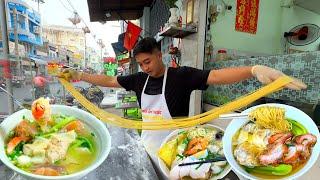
(85, 51)
(86, 31)
(5, 45)
(16, 40)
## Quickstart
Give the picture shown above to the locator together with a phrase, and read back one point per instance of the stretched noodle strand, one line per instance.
(180, 122)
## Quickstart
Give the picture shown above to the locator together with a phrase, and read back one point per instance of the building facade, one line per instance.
(28, 25)
(67, 43)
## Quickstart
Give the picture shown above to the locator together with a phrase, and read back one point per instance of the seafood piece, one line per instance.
(194, 171)
(200, 172)
(274, 155)
(214, 148)
(41, 112)
(175, 173)
(292, 156)
(176, 161)
(196, 145)
(75, 125)
(216, 169)
(185, 170)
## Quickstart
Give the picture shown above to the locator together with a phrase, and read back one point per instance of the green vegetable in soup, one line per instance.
(280, 170)
(82, 142)
(61, 124)
(11, 134)
(16, 152)
(297, 128)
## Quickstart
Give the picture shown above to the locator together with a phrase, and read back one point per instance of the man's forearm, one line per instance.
(100, 80)
(229, 75)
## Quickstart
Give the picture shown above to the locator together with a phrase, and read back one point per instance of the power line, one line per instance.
(65, 6)
(102, 45)
(74, 9)
(71, 5)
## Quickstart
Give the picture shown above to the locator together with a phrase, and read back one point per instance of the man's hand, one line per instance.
(267, 75)
(70, 74)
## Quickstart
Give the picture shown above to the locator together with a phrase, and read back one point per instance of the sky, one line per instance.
(57, 12)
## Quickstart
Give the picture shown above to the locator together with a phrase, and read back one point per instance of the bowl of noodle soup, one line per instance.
(78, 161)
(236, 129)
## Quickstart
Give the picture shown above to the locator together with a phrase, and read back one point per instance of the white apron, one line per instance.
(154, 107)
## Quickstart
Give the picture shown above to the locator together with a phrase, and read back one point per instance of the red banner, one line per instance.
(131, 36)
(247, 16)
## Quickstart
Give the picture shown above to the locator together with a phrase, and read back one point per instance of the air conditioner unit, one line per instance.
(37, 30)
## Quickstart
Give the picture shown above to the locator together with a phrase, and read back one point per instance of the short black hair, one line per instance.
(146, 45)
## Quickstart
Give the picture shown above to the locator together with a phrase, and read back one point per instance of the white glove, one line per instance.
(267, 75)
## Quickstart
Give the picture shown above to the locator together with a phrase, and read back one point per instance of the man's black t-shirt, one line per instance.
(179, 85)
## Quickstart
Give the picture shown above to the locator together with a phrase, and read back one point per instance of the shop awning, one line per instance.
(111, 10)
(38, 60)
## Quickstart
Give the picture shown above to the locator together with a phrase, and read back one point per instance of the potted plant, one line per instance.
(173, 11)
(171, 3)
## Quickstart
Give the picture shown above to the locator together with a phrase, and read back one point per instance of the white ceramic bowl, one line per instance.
(103, 139)
(291, 112)
(165, 170)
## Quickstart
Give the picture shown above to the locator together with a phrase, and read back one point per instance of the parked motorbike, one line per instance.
(3, 86)
(93, 93)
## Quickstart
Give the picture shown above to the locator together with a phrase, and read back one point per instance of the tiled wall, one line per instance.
(159, 14)
(305, 66)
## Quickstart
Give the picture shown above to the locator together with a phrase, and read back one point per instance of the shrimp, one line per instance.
(41, 112)
(196, 145)
(75, 125)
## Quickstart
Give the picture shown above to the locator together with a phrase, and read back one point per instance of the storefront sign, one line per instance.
(110, 69)
(247, 16)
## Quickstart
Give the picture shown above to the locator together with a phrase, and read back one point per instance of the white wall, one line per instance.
(192, 48)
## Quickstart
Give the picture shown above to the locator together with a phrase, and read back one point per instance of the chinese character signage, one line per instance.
(247, 16)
